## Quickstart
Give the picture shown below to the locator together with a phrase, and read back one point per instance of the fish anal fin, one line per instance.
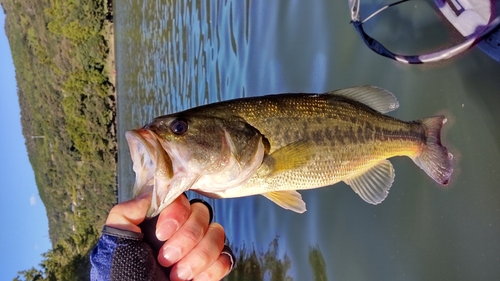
(288, 199)
(376, 98)
(374, 184)
(289, 157)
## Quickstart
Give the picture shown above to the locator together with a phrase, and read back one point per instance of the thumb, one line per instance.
(128, 215)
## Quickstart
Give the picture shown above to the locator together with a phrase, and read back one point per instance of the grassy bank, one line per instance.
(64, 72)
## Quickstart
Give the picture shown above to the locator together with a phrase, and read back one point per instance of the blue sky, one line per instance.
(24, 234)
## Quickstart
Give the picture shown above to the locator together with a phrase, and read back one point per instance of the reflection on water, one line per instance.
(318, 264)
(253, 265)
(173, 55)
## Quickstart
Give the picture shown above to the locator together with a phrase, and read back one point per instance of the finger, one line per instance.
(172, 218)
(218, 270)
(201, 257)
(186, 238)
(129, 214)
(209, 207)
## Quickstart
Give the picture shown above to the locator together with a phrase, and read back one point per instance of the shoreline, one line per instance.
(109, 36)
(111, 74)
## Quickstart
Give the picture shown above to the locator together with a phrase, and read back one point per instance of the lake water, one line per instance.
(173, 55)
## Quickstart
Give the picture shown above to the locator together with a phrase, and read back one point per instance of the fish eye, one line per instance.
(179, 126)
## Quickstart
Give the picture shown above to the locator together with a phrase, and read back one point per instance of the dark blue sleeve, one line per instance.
(101, 258)
(123, 255)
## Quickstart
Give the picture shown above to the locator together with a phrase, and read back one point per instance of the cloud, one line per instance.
(33, 200)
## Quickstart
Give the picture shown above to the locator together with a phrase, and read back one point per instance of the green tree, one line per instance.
(59, 50)
(31, 274)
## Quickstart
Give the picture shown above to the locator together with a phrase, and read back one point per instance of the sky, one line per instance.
(25, 233)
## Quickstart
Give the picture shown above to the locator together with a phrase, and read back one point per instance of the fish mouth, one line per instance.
(150, 160)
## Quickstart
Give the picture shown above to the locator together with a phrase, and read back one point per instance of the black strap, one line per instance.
(113, 231)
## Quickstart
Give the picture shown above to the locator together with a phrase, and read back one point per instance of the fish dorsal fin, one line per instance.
(374, 184)
(288, 199)
(376, 98)
(288, 157)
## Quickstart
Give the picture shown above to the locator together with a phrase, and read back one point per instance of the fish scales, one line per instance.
(350, 134)
(277, 144)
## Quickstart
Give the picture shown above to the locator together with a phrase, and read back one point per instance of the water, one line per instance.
(173, 55)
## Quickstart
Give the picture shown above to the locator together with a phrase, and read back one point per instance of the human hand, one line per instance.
(193, 247)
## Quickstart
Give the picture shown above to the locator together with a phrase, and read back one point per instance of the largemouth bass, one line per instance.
(275, 145)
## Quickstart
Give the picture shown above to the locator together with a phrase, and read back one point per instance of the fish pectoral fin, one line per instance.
(289, 157)
(374, 184)
(377, 98)
(289, 199)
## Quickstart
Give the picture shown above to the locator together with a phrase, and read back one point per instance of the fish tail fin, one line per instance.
(434, 158)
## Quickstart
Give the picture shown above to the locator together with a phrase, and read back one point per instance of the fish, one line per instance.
(278, 144)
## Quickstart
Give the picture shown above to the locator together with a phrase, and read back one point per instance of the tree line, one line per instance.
(60, 51)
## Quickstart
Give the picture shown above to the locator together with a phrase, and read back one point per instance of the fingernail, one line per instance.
(184, 272)
(171, 254)
(166, 229)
